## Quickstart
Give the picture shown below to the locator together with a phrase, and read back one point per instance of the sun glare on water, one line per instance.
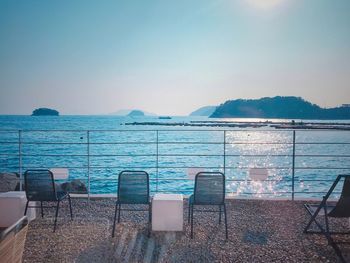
(265, 4)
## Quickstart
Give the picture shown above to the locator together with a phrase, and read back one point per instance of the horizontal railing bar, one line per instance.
(316, 192)
(185, 155)
(178, 142)
(53, 143)
(228, 179)
(185, 167)
(182, 179)
(205, 129)
(177, 155)
(190, 179)
(322, 143)
(262, 193)
(315, 180)
(320, 155)
(322, 168)
(146, 155)
(147, 130)
(296, 168)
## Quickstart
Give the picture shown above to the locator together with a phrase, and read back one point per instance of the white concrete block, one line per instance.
(60, 173)
(167, 212)
(12, 206)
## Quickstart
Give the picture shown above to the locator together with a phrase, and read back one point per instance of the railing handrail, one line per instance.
(157, 142)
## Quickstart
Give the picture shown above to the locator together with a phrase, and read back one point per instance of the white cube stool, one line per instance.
(167, 212)
(12, 206)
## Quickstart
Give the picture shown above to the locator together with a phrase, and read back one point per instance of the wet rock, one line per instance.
(9, 182)
(75, 186)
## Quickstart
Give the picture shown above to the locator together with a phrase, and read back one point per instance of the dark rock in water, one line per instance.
(9, 182)
(76, 186)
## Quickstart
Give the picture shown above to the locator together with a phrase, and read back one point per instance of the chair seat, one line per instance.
(191, 201)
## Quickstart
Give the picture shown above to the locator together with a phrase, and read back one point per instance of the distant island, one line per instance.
(279, 108)
(136, 113)
(45, 112)
(126, 112)
(204, 111)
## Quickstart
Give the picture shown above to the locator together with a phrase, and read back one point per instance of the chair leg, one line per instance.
(120, 206)
(220, 214)
(25, 210)
(70, 207)
(329, 238)
(327, 225)
(189, 212)
(150, 212)
(226, 232)
(115, 218)
(192, 221)
(56, 215)
(149, 219)
(42, 210)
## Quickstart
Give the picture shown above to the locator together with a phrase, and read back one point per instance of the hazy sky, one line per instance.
(170, 57)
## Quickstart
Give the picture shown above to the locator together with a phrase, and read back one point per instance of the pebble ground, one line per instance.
(259, 231)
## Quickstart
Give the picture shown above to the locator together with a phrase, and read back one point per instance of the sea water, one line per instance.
(96, 148)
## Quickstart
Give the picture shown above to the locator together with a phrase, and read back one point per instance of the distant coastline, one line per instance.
(251, 124)
(279, 108)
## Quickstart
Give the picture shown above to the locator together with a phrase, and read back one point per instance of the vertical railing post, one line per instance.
(293, 167)
(88, 162)
(157, 162)
(20, 160)
(225, 153)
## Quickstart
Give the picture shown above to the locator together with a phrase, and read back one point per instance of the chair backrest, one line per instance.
(342, 208)
(209, 188)
(133, 187)
(40, 185)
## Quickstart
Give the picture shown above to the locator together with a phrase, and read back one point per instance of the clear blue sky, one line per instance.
(170, 57)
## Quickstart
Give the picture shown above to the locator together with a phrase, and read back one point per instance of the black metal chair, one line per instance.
(133, 189)
(209, 189)
(40, 187)
(339, 210)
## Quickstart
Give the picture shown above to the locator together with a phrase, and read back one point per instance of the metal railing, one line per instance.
(216, 147)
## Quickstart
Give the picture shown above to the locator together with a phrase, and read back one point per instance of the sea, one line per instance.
(258, 162)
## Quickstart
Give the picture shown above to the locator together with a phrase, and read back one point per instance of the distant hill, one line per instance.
(136, 113)
(278, 107)
(204, 111)
(125, 112)
(45, 112)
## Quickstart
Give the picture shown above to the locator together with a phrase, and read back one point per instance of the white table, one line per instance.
(12, 206)
(167, 212)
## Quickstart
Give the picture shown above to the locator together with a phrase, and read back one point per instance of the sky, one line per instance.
(170, 57)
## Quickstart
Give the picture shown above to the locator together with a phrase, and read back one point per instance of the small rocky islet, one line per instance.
(45, 112)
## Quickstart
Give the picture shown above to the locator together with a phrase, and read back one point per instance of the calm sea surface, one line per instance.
(170, 154)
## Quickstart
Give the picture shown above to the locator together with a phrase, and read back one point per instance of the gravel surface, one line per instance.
(259, 231)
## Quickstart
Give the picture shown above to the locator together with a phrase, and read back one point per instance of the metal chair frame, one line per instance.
(323, 205)
(192, 202)
(118, 205)
(55, 198)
